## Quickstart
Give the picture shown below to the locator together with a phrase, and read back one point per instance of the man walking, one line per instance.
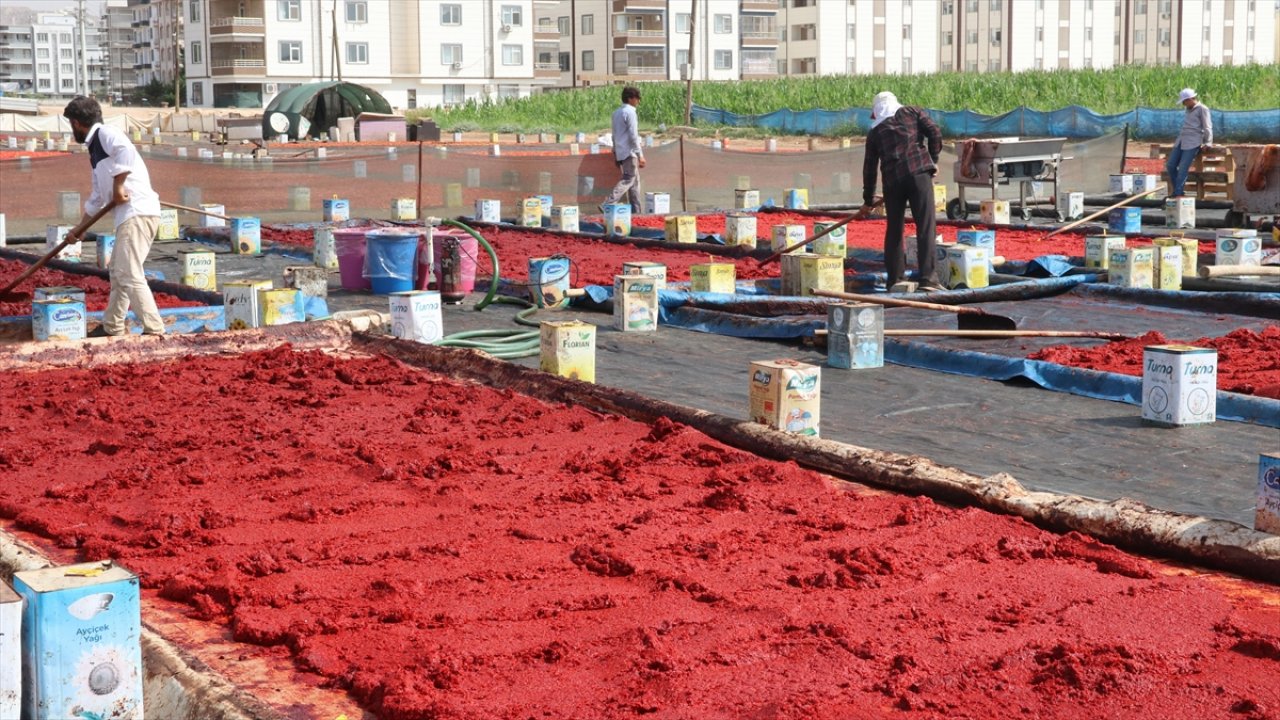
(904, 144)
(1197, 132)
(120, 178)
(627, 151)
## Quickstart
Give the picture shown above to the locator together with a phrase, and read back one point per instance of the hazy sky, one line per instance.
(93, 6)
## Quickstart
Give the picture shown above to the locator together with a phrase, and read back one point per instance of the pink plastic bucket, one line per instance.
(468, 251)
(349, 246)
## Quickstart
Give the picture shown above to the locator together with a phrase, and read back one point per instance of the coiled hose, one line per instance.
(500, 343)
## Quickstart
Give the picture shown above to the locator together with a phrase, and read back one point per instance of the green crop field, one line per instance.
(1248, 87)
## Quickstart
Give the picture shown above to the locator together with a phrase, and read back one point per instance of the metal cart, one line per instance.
(1246, 202)
(1002, 161)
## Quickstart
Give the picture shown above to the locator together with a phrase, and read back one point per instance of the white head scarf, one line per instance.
(884, 106)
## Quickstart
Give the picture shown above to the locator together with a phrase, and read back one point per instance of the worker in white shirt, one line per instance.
(1196, 133)
(120, 178)
(627, 151)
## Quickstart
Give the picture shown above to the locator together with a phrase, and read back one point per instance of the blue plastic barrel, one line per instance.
(392, 258)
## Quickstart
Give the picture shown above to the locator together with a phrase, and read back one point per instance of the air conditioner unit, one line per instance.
(506, 28)
(456, 66)
(269, 88)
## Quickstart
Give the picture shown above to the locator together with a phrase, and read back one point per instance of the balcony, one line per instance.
(146, 65)
(760, 6)
(546, 70)
(622, 6)
(546, 32)
(236, 25)
(649, 71)
(145, 22)
(759, 38)
(623, 39)
(238, 67)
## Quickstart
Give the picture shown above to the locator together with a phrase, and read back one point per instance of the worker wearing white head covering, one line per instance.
(903, 146)
(1197, 132)
(884, 106)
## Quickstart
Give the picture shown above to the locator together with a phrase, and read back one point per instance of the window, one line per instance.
(853, 31)
(42, 37)
(588, 60)
(588, 25)
(45, 84)
(289, 9)
(358, 53)
(451, 14)
(995, 5)
(1040, 5)
(1166, 6)
(995, 36)
(1140, 7)
(1039, 63)
(971, 6)
(1205, 35)
(564, 24)
(44, 68)
(993, 65)
(64, 37)
(68, 68)
(450, 54)
(682, 22)
(947, 37)
(782, 33)
(357, 12)
(511, 15)
(1040, 34)
(44, 52)
(906, 32)
(68, 84)
(564, 62)
(803, 3)
(1139, 37)
(197, 93)
(1088, 37)
(972, 38)
(948, 7)
(724, 24)
(1163, 34)
(455, 94)
(724, 59)
(194, 12)
(65, 53)
(512, 54)
(290, 51)
(197, 53)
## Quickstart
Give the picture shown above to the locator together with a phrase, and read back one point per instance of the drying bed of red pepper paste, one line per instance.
(96, 289)
(445, 551)
(1248, 361)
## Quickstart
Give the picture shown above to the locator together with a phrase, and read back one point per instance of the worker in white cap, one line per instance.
(1197, 133)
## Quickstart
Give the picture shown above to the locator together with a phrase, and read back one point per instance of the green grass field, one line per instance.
(1247, 87)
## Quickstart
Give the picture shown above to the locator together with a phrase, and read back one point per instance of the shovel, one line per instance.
(1100, 213)
(197, 211)
(75, 232)
(968, 318)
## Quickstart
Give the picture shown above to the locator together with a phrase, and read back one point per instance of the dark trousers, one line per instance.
(916, 190)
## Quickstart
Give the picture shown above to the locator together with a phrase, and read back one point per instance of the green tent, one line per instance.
(297, 111)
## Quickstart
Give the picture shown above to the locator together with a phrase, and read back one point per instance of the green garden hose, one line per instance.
(500, 343)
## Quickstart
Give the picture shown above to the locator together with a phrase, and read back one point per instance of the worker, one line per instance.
(628, 154)
(119, 179)
(903, 144)
(1197, 133)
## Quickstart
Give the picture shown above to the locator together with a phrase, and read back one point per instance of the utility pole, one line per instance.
(337, 58)
(177, 65)
(688, 85)
(84, 55)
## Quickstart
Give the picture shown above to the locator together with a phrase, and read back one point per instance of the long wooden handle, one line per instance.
(75, 232)
(816, 235)
(198, 211)
(994, 333)
(899, 302)
(1212, 271)
(1101, 212)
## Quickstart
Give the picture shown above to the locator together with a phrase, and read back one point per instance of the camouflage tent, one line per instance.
(308, 110)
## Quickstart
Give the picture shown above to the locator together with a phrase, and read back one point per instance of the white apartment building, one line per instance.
(604, 41)
(629, 40)
(242, 53)
(117, 24)
(46, 57)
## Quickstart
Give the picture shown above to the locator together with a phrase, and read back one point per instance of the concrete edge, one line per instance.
(175, 685)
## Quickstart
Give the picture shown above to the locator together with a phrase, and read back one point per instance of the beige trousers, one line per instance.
(128, 283)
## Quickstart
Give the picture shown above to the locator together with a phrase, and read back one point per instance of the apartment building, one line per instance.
(605, 41)
(628, 40)
(46, 57)
(242, 53)
(118, 38)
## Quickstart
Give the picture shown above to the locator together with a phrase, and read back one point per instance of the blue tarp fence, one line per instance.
(1073, 122)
